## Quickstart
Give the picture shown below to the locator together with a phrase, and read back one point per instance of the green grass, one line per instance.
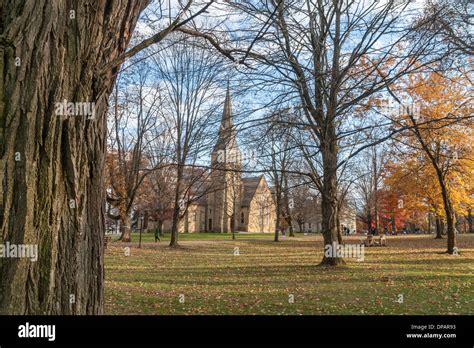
(264, 275)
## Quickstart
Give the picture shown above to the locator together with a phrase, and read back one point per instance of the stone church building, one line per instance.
(224, 201)
(231, 202)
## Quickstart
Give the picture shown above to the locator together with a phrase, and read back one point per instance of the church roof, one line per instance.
(250, 186)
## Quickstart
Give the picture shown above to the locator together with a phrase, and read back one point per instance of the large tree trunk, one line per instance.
(290, 226)
(50, 165)
(176, 209)
(376, 217)
(451, 235)
(232, 225)
(160, 228)
(394, 225)
(450, 220)
(469, 220)
(376, 200)
(329, 202)
(369, 221)
(126, 228)
(278, 213)
(288, 217)
(439, 229)
(429, 222)
(339, 232)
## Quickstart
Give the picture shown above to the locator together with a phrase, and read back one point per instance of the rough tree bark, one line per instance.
(50, 165)
(329, 203)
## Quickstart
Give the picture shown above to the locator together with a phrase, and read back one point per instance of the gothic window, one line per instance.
(242, 218)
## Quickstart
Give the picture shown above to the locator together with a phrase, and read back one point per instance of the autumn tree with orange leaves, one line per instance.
(438, 142)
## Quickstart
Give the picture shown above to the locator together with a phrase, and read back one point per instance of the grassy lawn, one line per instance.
(262, 277)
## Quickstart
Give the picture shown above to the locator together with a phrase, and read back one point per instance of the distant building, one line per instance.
(313, 223)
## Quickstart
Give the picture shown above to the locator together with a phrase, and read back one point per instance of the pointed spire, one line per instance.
(226, 142)
(226, 122)
(226, 137)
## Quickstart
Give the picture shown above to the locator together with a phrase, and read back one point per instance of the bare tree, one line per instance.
(367, 183)
(329, 56)
(304, 201)
(134, 114)
(452, 22)
(190, 77)
(276, 153)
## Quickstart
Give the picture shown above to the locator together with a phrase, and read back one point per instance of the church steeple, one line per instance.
(226, 149)
(224, 200)
(226, 122)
